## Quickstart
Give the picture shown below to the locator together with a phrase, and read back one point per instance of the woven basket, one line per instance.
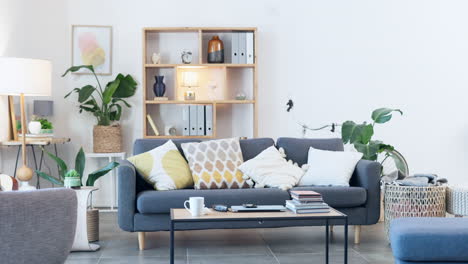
(457, 200)
(92, 217)
(107, 139)
(409, 201)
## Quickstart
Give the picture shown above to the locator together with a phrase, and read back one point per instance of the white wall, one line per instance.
(338, 59)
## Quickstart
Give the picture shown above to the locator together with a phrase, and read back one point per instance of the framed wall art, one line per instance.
(92, 45)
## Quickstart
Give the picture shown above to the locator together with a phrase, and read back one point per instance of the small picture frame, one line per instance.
(92, 45)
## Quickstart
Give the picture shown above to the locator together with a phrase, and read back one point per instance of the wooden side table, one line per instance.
(457, 200)
(111, 157)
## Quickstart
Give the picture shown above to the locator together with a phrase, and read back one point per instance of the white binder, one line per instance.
(209, 120)
(242, 46)
(186, 120)
(193, 120)
(235, 48)
(201, 120)
(249, 49)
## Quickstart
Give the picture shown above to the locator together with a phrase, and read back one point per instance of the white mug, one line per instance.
(196, 205)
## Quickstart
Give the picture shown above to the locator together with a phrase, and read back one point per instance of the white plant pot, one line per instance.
(34, 127)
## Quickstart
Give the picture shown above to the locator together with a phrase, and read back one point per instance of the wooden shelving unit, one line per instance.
(230, 79)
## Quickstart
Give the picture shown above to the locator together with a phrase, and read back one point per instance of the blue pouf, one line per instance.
(431, 240)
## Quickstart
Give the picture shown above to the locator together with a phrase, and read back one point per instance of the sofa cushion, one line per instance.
(430, 239)
(253, 146)
(163, 201)
(297, 149)
(338, 196)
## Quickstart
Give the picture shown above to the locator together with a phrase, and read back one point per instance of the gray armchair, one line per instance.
(37, 226)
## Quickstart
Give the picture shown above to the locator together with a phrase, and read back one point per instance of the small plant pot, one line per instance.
(107, 139)
(72, 182)
(92, 224)
(47, 131)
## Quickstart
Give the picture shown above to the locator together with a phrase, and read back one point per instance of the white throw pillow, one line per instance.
(270, 169)
(330, 168)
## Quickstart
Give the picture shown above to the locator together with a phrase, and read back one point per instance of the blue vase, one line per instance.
(159, 88)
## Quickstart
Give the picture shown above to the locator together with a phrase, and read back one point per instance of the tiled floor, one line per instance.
(280, 245)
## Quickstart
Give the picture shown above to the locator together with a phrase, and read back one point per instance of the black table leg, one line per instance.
(35, 166)
(346, 241)
(172, 242)
(326, 241)
(16, 162)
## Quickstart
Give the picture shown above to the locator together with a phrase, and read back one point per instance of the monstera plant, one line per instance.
(106, 105)
(360, 136)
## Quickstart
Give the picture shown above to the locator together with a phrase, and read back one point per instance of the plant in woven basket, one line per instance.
(106, 104)
(78, 171)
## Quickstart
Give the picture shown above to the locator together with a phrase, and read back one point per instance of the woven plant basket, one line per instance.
(92, 217)
(107, 139)
(409, 201)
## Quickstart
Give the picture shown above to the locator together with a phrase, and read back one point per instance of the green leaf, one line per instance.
(369, 151)
(47, 177)
(80, 162)
(85, 92)
(87, 109)
(109, 91)
(360, 133)
(62, 165)
(74, 90)
(77, 68)
(116, 100)
(93, 177)
(383, 115)
(127, 86)
(115, 115)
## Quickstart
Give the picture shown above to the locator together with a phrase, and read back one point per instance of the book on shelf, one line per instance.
(153, 125)
(305, 194)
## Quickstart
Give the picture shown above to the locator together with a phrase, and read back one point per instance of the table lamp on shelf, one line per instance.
(25, 77)
(190, 80)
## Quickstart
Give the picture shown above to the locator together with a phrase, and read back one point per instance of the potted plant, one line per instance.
(73, 178)
(106, 104)
(46, 126)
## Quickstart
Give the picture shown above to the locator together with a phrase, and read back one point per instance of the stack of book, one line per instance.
(307, 202)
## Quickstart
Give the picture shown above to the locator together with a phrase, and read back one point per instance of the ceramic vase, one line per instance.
(215, 50)
(159, 88)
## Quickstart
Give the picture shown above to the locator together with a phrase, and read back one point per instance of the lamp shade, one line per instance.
(189, 79)
(43, 108)
(30, 77)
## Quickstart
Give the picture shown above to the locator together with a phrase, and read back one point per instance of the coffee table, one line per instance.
(183, 216)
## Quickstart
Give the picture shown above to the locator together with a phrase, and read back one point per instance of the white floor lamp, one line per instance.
(25, 77)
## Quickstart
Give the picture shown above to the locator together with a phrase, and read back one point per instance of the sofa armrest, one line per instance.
(127, 195)
(367, 175)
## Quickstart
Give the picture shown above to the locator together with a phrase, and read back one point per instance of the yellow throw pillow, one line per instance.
(214, 164)
(163, 167)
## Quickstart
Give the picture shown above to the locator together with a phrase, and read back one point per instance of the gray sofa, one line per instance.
(142, 209)
(37, 226)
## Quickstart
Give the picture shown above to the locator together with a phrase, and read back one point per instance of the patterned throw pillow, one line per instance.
(214, 164)
(164, 167)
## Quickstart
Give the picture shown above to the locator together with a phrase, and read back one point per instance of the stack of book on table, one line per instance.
(307, 202)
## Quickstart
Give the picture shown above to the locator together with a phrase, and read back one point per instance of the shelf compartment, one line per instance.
(169, 80)
(170, 45)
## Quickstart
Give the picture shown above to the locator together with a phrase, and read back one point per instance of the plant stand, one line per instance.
(81, 243)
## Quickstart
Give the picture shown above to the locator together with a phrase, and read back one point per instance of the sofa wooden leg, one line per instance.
(357, 234)
(141, 240)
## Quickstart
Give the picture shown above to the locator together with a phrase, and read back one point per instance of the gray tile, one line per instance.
(307, 258)
(141, 260)
(257, 259)
(82, 261)
(228, 248)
